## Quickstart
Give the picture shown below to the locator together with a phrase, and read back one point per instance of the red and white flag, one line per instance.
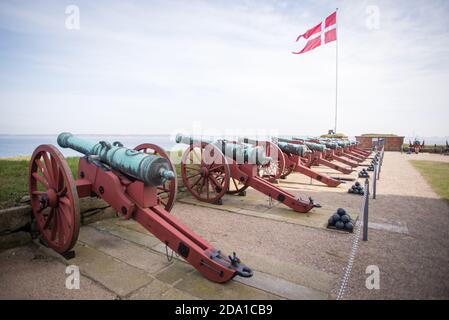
(322, 33)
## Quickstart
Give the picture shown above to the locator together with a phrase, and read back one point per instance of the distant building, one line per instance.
(391, 142)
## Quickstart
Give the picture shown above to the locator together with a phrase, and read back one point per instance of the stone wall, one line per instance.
(391, 143)
(394, 143)
(15, 222)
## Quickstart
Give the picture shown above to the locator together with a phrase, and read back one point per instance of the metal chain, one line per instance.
(169, 257)
(355, 246)
(348, 270)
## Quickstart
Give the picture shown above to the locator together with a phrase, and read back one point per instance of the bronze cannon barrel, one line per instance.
(238, 152)
(152, 170)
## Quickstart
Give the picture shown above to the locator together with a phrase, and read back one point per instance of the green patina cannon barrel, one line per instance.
(315, 146)
(329, 144)
(152, 170)
(311, 145)
(297, 149)
(238, 152)
(341, 143)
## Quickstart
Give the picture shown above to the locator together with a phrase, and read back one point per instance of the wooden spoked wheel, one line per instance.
(286, 172)
(275, 168)
(54, 198)
(166, 192)
(205, 172)
(236, 186)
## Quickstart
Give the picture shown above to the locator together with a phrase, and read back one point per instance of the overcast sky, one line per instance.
(164, 66)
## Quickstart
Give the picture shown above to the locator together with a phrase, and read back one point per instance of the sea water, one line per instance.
(24, 145)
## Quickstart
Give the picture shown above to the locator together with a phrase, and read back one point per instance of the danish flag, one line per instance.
(322, 33)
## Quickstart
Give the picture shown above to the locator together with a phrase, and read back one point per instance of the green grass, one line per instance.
(436, 174)
(14, 179)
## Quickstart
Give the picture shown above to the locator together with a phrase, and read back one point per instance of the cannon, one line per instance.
(269, 170)
(210, 169)
(348, 152)
(292, 155)
(337, 150)
(416, 146)
(347, 148)
(320, 156)
(139, 184)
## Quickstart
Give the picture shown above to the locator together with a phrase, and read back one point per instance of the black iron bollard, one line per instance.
(376, 168)
(365, 211)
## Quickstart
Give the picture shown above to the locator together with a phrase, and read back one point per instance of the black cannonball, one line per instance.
(357, 184)
(341, 211)
(335, 217)
(339, 225)
(349, 226)
(350, 190)
(345, 218)
(331, 221)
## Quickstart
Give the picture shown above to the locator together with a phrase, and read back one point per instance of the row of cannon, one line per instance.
(141, 184)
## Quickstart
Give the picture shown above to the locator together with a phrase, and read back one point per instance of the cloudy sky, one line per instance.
(144, 67)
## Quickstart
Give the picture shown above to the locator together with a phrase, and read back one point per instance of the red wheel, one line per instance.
(167, 192)
(54, 198)
(287, 171)
(307, 160)
(205, 172)
(275, 168)
(236, 186)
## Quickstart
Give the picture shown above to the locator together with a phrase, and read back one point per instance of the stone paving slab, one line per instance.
(316, 218)
(122, 250)
(114, 274)
(179, 270)
(158, 290)
(133, 232)
(307, 187)
(337, 174)
(198, 286)
(26, 273)
(318, 282)
(176, 272)
(281, 287)
(172, 274)
(298, 181)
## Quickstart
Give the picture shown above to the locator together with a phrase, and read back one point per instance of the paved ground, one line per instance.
(294, 256)
(414, 258)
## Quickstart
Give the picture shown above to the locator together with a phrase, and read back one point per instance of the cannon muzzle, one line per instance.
(152, 170)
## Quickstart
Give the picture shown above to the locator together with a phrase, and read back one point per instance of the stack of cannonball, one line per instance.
(370, 167)
(363, 174)
(341, 220)
(357, 189)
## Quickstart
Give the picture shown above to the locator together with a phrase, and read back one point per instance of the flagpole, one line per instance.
(336, 69)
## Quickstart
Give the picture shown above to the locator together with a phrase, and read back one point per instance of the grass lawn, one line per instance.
(14, 179)
(436, 174)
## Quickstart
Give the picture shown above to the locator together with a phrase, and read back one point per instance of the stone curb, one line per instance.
(14, 220)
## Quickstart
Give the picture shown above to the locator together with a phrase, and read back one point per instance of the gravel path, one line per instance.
(413, 264)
